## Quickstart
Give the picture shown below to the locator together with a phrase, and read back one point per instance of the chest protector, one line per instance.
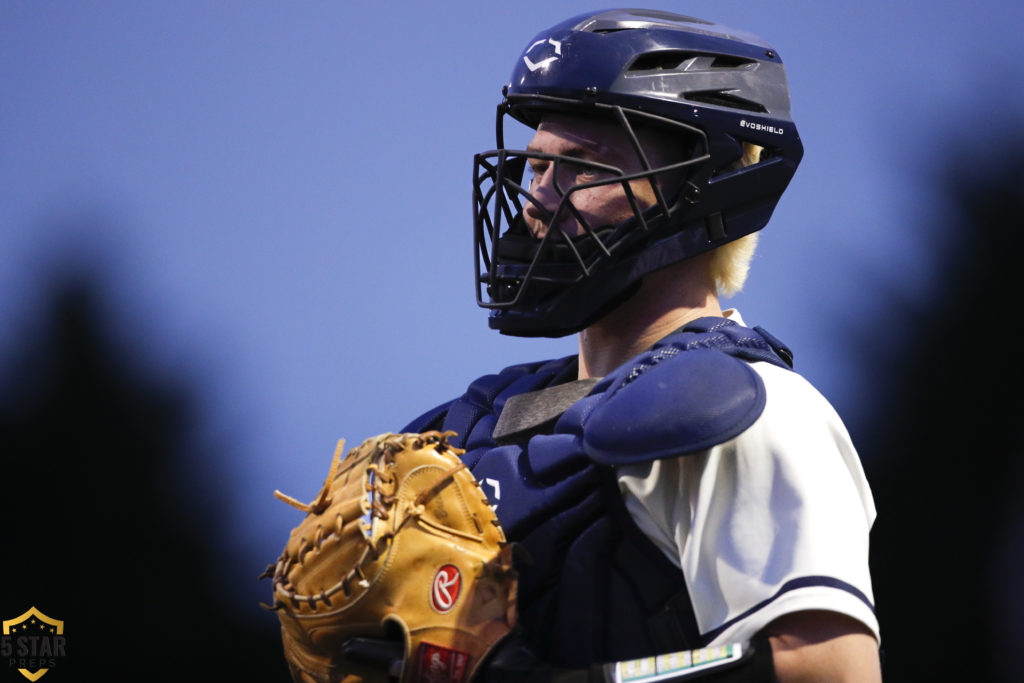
(595, 588)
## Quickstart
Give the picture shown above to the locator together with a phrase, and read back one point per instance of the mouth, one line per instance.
(540, 226)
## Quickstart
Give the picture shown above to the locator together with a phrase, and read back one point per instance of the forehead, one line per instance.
(578, 136)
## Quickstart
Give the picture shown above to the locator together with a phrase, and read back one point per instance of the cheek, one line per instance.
(610, 205)
(644, 194)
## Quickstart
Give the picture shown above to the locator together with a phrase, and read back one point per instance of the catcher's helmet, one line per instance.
(709, 87)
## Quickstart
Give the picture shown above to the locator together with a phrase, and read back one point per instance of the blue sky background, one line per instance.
(275, 198)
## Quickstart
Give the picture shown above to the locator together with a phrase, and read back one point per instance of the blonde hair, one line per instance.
(730, 262)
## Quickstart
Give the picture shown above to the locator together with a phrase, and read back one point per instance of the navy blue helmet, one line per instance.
(705, 87)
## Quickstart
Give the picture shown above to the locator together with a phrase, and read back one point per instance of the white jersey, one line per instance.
(771, 522)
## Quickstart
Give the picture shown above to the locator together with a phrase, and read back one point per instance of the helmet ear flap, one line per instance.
(727, 152)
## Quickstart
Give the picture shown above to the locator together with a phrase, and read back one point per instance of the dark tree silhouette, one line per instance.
(944, 451)
(102, 527)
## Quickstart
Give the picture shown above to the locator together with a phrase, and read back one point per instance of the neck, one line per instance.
(668, 299)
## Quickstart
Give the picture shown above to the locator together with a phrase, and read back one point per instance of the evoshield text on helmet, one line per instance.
(704, 88)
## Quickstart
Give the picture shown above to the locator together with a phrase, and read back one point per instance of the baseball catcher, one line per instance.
(692, 506)
(400, 568)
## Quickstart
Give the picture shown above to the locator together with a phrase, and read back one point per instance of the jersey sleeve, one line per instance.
(771, 522)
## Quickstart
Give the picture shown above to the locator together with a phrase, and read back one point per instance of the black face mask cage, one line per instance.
(515, 269)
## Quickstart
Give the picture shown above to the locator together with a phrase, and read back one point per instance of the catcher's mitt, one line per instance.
(400, 543)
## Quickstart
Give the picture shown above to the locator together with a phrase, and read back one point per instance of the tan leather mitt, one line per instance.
(400, 544)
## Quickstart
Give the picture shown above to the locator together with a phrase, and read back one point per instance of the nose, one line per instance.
(539, 211)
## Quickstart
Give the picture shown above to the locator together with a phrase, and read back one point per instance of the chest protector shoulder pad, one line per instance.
(691, 391)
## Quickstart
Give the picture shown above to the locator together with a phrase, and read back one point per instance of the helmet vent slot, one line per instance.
(720, 98)
(681, 60)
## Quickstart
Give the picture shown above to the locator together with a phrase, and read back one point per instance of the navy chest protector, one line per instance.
(596, 589)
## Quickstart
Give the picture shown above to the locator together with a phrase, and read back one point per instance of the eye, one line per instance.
(584, 173)
(534, 171)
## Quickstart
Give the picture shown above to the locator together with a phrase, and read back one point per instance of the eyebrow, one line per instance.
(576, 152)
